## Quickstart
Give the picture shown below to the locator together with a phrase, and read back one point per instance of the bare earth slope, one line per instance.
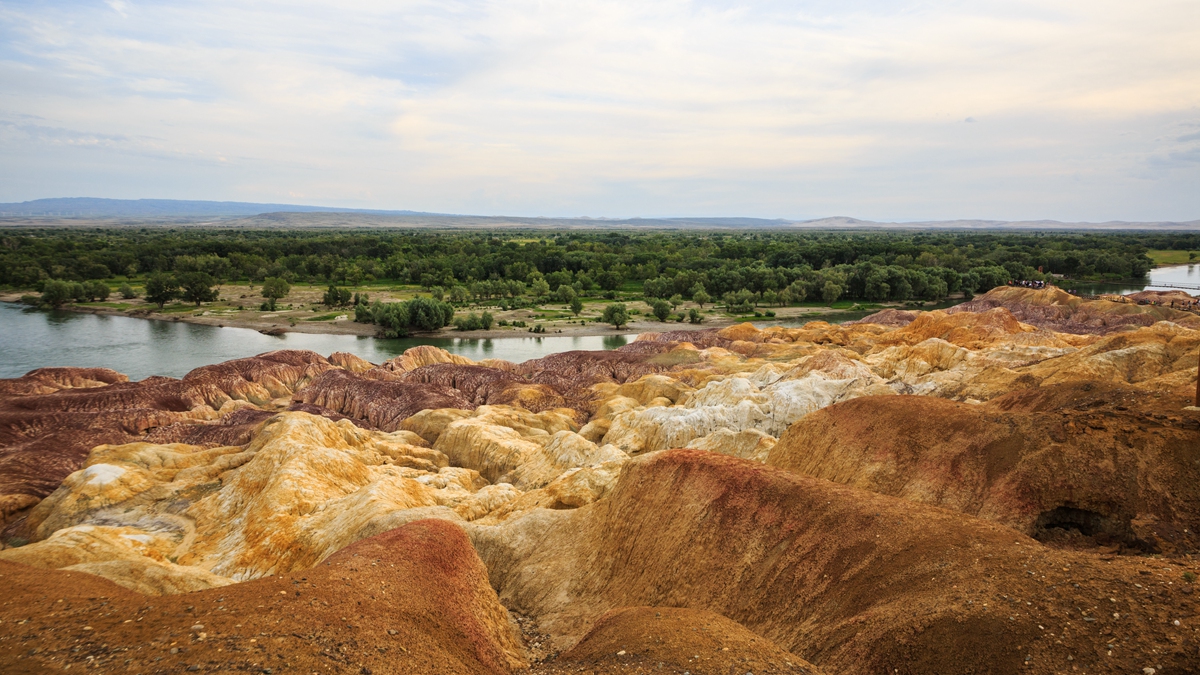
(414, 599)
(846, 579)
(1010, 486)
(1108, 463)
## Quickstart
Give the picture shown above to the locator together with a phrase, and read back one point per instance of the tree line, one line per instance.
(457, 267)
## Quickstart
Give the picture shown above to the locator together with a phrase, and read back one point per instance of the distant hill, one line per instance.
(842, 222)
(70, 210)
(91, 207)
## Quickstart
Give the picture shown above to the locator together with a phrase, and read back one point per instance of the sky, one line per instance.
(1075, 110)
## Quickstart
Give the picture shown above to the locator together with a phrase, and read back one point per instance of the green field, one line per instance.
(1172, 257)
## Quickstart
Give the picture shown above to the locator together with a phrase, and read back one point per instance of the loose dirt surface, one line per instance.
(673, 640)
(413, 600)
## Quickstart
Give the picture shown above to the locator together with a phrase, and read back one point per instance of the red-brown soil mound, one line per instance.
(894, 318)
(852, 581)
(674, 640)
(50, 380)
(412, 600)
(385, 404)
(1054, 462)
(50, 418)
(1058, 310)
(1180, 299)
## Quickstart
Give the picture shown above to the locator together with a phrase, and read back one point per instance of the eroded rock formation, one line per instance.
(867, 497)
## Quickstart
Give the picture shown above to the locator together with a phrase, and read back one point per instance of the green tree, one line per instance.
(161, 289)
(127, 292)
(273, 289)
(576, 305)
(701, 297)
(797, 291)
(459, 294)
(485, 321)
(56, 292)
(661, 309)
(615, 314)
(831, 292)
(336, 297)
(540, 288)
(565, 294)
(694, 315)
(197, 287)
(96, 291)
(675, 300)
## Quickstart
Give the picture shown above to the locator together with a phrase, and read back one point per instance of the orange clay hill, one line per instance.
(1008, 486)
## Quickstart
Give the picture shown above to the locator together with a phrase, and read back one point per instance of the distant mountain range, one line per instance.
(92, 207)
(249, 214)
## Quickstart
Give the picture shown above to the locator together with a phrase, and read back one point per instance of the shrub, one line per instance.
(56, 293)
(127, 292)
(469, 322)
(694, 315)
(616, 315)
(397, 319)
(336, 297)
(661, 309)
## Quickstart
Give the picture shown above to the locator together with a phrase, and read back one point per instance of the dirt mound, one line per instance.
(851, 581)
(1055, 309)
(50, 380)
(415, 599)
(264, 377)
(52, 417)
(701, 339)
(674, 640)
(576, 369)
(1168, 298)
(895, 318)
(965, 329)
(423, 355)
(384, 404)
(1036, 461)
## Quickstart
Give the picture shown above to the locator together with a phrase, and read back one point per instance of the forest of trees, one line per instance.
(733, 268)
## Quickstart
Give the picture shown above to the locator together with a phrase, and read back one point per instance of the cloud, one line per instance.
(613, 109)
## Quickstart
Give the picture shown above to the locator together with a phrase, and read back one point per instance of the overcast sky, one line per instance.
(1014, 109)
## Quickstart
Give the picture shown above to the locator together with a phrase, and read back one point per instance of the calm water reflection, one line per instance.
(139, 348)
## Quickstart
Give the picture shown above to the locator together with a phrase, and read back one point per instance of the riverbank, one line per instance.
(301, 312)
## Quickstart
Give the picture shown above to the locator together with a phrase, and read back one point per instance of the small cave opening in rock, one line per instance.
(1074, 528)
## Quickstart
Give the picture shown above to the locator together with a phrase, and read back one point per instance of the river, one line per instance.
(31, 338)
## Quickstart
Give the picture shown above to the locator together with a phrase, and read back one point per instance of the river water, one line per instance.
(31, 338)
(1182, 277)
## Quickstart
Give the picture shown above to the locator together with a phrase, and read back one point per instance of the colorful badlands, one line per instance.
(1009, 486)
